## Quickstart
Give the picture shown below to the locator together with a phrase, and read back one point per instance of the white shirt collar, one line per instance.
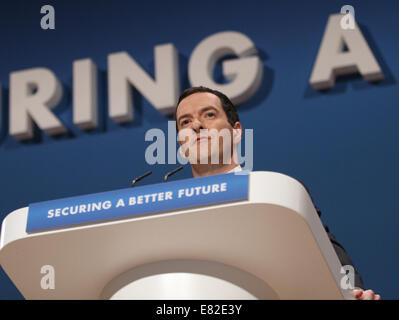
(236, 169)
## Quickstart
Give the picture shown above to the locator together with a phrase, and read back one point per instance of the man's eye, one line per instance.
(184, 122)
(210, 114)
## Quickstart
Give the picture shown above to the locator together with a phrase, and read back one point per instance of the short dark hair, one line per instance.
(228, 107)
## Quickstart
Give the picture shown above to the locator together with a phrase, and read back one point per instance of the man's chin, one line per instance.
(206, 161)
(206, 157)
(200, 161)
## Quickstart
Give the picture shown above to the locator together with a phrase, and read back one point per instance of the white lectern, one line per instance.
(271, 246)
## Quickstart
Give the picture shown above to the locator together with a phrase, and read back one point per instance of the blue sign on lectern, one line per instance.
(137, 201)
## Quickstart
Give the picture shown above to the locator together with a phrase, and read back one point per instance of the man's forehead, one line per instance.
(196, 101)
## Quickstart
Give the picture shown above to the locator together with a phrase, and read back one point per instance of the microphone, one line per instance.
(139, 178)
(172, 173)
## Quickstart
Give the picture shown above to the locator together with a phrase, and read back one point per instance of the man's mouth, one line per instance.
(204, 138)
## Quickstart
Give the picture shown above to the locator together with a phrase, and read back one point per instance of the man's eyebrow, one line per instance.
(208, 108)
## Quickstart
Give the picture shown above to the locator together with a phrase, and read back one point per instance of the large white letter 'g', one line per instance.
(245, 73)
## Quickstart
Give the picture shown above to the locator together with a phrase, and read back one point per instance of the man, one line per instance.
(200, 113)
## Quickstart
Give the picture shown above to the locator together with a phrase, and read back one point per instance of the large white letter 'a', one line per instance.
(333, 61)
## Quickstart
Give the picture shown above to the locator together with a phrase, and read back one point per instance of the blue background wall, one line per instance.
(342, 144)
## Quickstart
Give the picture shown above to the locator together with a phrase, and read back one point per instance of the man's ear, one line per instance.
(237, 132)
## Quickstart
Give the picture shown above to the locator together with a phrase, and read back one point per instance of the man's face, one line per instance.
(201, 121)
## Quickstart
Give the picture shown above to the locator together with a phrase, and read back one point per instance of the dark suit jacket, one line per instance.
(339, 249)
(342, 254)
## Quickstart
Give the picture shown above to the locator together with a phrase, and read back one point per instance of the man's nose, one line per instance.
(197, 125)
